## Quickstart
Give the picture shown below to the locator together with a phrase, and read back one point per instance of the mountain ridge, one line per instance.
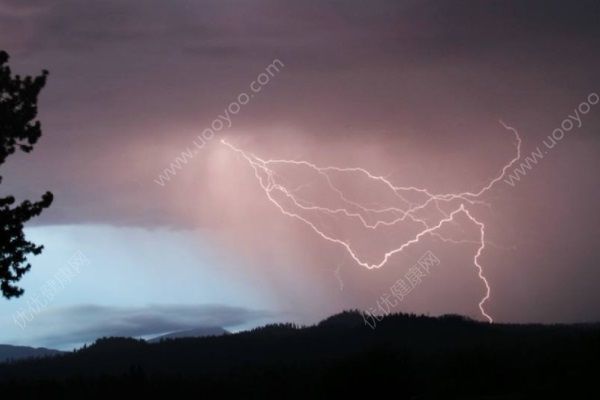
(427, 357)
(191, 333)
(10, 352)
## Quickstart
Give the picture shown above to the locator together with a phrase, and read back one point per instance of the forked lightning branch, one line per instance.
(372, 218)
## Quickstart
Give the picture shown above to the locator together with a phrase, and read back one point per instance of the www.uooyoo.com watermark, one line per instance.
(223, 121)
(552, 139)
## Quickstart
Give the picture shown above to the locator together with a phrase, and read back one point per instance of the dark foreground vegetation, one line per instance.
(405, 357)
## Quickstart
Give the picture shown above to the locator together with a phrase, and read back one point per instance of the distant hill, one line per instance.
(407, 356)
(191, 333)
(8, 352)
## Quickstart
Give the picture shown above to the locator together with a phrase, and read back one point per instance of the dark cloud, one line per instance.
(84, 324)
(347, 29)
(133, 83)
(413, 89)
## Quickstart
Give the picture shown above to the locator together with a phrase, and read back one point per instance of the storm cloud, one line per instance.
(412, 90)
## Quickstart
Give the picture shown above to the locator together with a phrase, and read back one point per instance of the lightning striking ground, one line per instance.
(460, 202)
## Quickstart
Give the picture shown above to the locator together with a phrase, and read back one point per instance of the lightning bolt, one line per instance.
(275, 188)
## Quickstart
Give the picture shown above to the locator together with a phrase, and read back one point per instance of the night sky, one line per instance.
(409, 90)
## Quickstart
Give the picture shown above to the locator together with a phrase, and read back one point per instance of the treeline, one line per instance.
(406, 356)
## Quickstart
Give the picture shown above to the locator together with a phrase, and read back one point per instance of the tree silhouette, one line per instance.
(411, 356)
(18, 131)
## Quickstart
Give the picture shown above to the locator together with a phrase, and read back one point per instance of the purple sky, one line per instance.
(412, 90)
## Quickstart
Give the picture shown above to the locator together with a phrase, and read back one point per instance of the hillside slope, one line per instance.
(413, 356)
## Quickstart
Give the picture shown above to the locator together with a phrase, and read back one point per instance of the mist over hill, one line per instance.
(8, 352)
(191, 333)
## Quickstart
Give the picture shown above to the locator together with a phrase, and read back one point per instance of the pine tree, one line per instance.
(19, 130)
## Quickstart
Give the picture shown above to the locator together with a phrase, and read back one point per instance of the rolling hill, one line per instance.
(409, 356)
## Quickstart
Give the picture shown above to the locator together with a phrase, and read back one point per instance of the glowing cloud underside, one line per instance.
(373, 218)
